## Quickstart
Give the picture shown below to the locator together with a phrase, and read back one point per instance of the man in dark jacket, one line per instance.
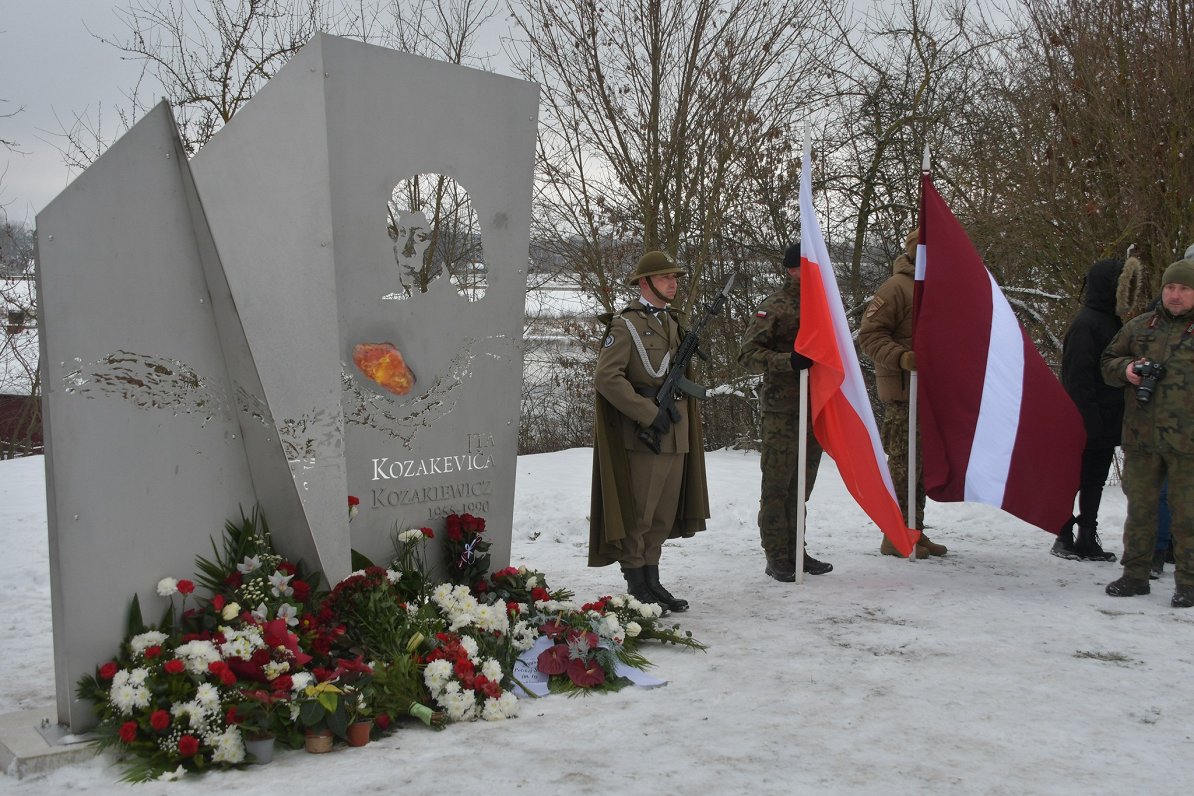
(1101, 405)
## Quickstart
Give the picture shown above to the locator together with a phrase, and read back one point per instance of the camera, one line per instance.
(1150, 373)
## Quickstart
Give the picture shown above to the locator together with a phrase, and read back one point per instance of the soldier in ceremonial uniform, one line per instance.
(1152, 359)
(641, 498)
(769, 348)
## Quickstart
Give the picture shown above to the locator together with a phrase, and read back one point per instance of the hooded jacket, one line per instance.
(1101, 405)
(886, 330)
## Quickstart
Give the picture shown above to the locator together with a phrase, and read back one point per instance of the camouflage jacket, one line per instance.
(886, 330)
(767, 348)
(1161, 424)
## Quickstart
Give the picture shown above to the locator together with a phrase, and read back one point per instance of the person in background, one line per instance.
(1152, 359)
(886, 337)
(1101, 406)
(641, 498)
(768, 347)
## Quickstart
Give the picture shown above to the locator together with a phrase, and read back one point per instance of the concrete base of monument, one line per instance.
(33, 742)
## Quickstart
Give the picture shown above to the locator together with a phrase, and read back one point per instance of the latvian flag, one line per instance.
(996, 425)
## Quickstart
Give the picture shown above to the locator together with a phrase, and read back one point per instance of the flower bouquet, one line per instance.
(466, 551)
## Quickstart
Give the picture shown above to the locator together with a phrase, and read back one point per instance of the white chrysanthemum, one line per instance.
(492, 711)
(208, 696)
(523, 636)
(139, 675)
(532, 582)
(250, 564)
(126, 697)
(442, 593)
(509, 704)
(167, 587)
(143, 641)
(393, 575)
(617, 602)
(459, 619)
(460, 706)
(197, 655)
(492, 669)
(492, 620)
(191, 712)
(609, 626)
(228, 747)
(301, 680)
(470, 646)
(633, 629)
(241, 643)
(436, 675)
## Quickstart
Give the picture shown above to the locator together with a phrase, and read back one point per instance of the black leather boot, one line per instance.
(664, 596)
(636, 586)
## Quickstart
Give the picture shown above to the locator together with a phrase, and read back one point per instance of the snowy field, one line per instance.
(998, 669)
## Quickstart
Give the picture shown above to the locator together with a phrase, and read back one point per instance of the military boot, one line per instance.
(636, 586)
(1064, 546)
(887, 548)
(782, 569)
(663, 596)
(933, 548)
(1183, 597)
(1088, 547)
(814, 567)
(1127, 587)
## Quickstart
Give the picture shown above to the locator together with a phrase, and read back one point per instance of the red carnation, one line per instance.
(128, 731)
(302, 590)
(554, 660)
(353, 500)
(228, 677)
(540, 594)
(186, 587)
(217, 667)
(217, 602)
(513, 608)
(188, 745)
(174, 666)
(108, 670)
(481, 586)
(159, 720)
(152, 652)
(585, 674)
(430, 534)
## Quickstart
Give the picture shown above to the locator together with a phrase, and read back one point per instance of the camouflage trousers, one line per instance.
(1144, 473)
(779, 498)
(895, 442)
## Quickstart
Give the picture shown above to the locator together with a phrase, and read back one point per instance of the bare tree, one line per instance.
(20, 387)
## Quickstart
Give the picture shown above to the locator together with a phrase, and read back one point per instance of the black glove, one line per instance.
(661, 423)
(800, 362)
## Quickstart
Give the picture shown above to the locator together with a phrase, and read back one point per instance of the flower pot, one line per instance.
(319, 741)
(262, 749)
(358, 732)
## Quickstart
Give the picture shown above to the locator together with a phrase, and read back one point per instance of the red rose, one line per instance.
(185, 587)
(453, 527)
(108, 670)
(481, 586)
(188, 745)
(174, 666)
(540, 594)
(554, 660)
(128, 731)
(159, 720)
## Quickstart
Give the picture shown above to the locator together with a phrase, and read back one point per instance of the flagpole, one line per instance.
(913, 393)
(801, 464)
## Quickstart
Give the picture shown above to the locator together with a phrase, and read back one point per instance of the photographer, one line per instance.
(1152, 357)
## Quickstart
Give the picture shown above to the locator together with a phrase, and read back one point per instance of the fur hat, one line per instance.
(1131, 294)
(1181, 273)
(792, 256)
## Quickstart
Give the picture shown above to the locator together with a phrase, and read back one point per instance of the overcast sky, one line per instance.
(53, 68)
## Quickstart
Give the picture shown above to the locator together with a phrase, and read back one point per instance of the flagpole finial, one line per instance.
(925, 161)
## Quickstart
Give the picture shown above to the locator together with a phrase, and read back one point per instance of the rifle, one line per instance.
(675, 385)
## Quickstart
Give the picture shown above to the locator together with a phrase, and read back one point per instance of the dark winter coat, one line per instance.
(1101, 405)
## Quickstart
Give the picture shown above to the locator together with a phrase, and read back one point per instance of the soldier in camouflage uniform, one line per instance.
(769, 348)
(1157, 442)
(886, 337)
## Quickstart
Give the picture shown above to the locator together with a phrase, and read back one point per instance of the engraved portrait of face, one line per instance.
(411, 235)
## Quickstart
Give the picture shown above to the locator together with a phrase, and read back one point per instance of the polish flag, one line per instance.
(840, 409)
(996, 425)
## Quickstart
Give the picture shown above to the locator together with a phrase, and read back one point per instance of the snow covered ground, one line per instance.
(995, 670)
